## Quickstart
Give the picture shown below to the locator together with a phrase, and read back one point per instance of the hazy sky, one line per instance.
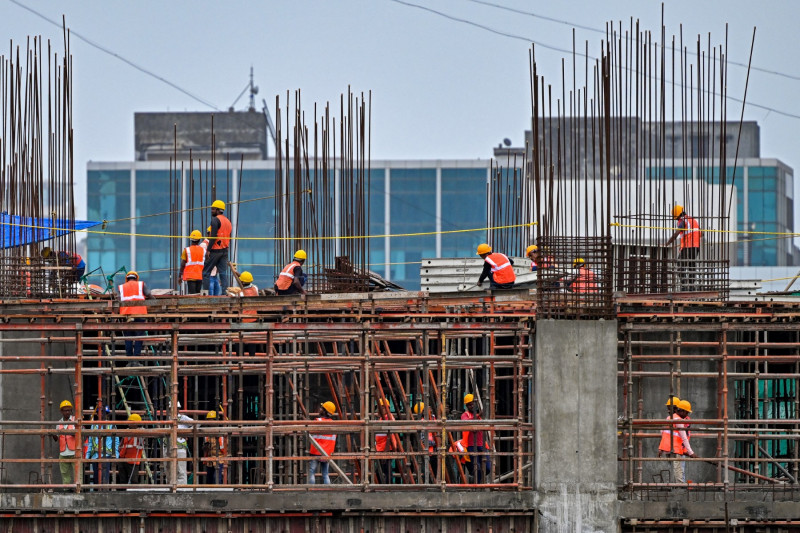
(440, 88)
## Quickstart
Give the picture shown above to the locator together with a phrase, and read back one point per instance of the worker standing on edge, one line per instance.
(384, 442)
(476, 445)
(131, 450)
(133, 290)
(584, 281)
(690, 234)
(214, 288)
(291, 279)
(327, 442)
(193, 259)
(220, 239)
(66, 443)
(497, 267)
(214, 451)
(684, 408)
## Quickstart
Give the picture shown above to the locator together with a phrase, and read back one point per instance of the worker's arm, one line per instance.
(487, 270)
(183, 264)
(674, 236)
(215, 225)
(685, 441)
(146, 291)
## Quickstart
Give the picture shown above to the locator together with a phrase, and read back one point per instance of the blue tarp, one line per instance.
(18, 231)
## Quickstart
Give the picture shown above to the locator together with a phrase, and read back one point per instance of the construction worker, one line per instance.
(183, 448)
(248, 289)
(133, 290)
(584, 281)
(214, 288)
(428, 439)
(325, 441)
(220, 240)
(101, 447)
(674, 439)
(66, 443)
(497, 267)
(532, 253)
(684, 408)
(73, 260)
(193, 259)
(131, 450)
(690, 234)
(480, 465)
(291, 279)
(384, 443)
(213, 451)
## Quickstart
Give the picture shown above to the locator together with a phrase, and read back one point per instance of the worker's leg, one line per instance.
(194, 286)
(213, 288)
(677, 469)
(312, 471)
(476, 464)
(213, 259)
(324, 471)
(67, 470)
(211, 475)
(182, 478)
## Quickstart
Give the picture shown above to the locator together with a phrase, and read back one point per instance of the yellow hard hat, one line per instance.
(300, 254)
(134, 417)
(196, 235)
(677, 211)
(219, 204)
(46, 251)
(208, 229)
(484, 249)
(684, 405)
(65, 403)
(246, 277)
(578, 262)
(419, 408)
(211, 414)
(469, 398)
(673, 401)
(132, 274)
(531, 248)
(329, 407)
(381, 401)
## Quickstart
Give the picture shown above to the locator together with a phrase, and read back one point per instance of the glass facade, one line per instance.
(108, 198)
(152, 253)
(412, 194)
(257, 219)
(463, 207)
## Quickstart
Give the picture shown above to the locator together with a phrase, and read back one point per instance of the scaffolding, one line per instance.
(266, 381)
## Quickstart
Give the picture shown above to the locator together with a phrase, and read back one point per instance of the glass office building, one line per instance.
(413, 204)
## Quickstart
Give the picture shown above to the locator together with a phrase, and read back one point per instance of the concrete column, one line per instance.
(575, 419)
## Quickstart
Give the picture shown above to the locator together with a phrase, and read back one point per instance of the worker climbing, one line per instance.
(220, 240)
(690, 234)
(498, 267)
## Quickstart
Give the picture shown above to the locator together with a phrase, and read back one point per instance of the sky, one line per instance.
(441, 87)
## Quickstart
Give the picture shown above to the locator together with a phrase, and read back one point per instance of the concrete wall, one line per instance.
(575, 418)
(20, 399)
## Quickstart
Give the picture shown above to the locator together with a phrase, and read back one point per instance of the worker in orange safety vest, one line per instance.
(291, 279)
(429, 440)
(66, 443)
(214, 451)
(325, 441)
(220, 240)
(132, 450)
(497, 267)
(690, 234)
(133, 290)
(584, 281)
(193, 258)
(476, 442)
(674, 440)
(384, 442)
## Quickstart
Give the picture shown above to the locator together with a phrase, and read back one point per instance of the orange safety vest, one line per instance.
(472, 438)
(381, 439)
(432, 439)
(250, 290)
(130, 291)
(584, 281)
(690, 233)
(66, 442)
(223, 234)
(671, 439)
(502, 271)
(326, 442)
(215, 452)
(131, 448)
(286, 277)
(195, 259)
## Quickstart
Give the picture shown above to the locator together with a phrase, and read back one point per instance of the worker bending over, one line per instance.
(497, 267)
(584, 281)
(220, 239)
(193, 259)
(690, 234)
(291, 279)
